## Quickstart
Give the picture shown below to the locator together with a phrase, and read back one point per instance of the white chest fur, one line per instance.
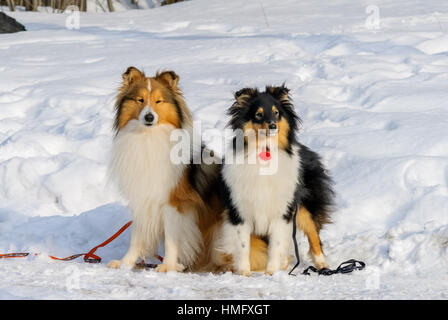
(140, 164)
(260, 198)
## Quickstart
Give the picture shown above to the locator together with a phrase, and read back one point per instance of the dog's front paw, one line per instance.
(165, 267)
(244, 272)
(270, 272)
(319, 262)
(114, 264)
(322, 265)
(272, 267)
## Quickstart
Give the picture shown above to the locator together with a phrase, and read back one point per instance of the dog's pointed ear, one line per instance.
(243, 95)
(240, 106)
(131, 75)
(169, 77)
(281, 93)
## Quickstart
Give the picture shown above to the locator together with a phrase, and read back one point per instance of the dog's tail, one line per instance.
(218, 261)
(258, 254)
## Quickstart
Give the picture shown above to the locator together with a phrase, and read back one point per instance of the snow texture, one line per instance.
(368, 78)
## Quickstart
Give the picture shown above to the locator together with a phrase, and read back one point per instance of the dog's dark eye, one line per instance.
(276, 113)
(158, 101)
(141, 100)
(259, 115)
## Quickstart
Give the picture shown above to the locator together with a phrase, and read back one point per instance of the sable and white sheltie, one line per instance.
(170, 201)
(264, 204)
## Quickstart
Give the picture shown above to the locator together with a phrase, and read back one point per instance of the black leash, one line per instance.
(345, 267)
(296, 247)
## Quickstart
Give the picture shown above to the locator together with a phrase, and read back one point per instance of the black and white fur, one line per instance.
(264, 204)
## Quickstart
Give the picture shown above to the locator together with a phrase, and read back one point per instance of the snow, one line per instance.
(373, 104)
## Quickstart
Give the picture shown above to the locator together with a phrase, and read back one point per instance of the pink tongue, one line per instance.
(265, 155)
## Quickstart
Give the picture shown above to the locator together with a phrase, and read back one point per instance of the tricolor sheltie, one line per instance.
(170, 201)
(264, 203)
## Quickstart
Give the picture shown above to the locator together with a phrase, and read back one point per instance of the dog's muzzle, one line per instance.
(272, 129)
(148, 117)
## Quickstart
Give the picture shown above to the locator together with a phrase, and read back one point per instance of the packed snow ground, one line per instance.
(373, 99)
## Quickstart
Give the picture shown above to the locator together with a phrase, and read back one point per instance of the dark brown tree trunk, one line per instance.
(28, 5)
(110, 5)
(11, 5)
(83, 5)
(165, 2)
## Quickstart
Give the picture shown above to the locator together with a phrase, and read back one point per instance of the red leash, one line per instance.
(89, 257)
(93, 258)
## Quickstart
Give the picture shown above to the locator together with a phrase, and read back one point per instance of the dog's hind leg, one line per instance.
(236, 242)
(308, 226)
(258, 254)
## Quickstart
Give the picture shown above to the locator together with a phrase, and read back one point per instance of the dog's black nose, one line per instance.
(149, 117)
(272, 126)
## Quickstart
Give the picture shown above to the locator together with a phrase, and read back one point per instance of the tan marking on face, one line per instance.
(142, 93)
(264, 126)
(162, 102)
(283, 131)
(132, 105)
(128, 112)
(248, 126)
(276, 114)
(250, 129)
